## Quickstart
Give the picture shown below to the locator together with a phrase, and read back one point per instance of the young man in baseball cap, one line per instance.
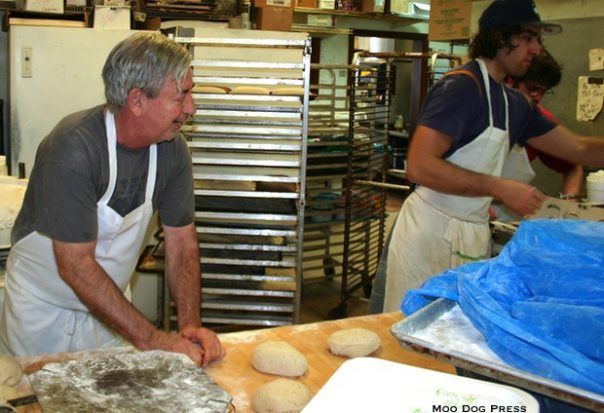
(469, 122)
(521, 12)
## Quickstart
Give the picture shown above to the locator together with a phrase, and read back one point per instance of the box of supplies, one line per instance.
(272, 3)
(449, 20)
(44, 6)
(398, 6)
(327, 4)
(319, 20)
(311, 4)
(373, 6)
(273, 18)
(112, 17)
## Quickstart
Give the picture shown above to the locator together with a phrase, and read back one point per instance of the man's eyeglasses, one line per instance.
(532, 88)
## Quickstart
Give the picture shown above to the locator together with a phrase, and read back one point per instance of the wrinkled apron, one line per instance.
(518, 167)
(437, 231)
(41, 312)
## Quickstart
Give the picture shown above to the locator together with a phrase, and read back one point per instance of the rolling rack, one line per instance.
(248, 148)
(327, 162)
(346, 164)
(370, 96)
(370, 88)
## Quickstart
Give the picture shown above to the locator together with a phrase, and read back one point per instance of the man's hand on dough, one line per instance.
(207, 340)
(522, 198)
(177, 344)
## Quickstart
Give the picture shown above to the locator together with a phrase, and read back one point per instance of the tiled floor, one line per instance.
(319, 298)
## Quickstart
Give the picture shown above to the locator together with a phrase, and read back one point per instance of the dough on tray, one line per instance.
(295, 91)
(10, 370)
(353, 342)
(250, 90)
(279, 358)
(222, 90)
(281, 396)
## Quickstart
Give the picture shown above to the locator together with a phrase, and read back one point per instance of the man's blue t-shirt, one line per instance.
(457, 107)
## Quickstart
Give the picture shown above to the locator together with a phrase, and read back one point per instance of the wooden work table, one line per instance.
(236, 375)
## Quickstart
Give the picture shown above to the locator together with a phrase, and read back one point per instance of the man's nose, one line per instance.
(189, 107)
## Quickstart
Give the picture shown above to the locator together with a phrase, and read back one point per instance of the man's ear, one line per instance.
(136, 101)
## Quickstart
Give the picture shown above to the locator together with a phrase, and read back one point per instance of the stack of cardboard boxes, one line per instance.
(450, 20)
(273, 15)
(43, 6)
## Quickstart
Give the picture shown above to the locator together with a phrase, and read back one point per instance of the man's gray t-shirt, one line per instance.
(71, 174)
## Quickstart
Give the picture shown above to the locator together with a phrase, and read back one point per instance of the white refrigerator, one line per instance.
(53, 71)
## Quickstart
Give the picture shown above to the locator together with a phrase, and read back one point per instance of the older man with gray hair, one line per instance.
(98, 178)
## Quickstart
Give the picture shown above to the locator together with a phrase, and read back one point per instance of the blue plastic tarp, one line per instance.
(539, 303)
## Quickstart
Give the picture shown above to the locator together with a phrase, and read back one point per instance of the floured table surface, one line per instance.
(146, 382)
(235, 373)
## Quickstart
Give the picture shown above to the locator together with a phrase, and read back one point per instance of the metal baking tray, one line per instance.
(441, 330)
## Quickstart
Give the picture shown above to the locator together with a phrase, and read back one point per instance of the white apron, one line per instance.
(41, 312)
(436, 231)
(518, 167)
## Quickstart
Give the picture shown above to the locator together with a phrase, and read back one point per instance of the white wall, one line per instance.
(66, 77)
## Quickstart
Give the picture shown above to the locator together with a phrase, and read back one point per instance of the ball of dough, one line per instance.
(280, 358)
(281, 396)
(10, 370)
(8, 393)
(353, 342)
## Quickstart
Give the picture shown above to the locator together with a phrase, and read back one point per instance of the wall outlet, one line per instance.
(26, 62)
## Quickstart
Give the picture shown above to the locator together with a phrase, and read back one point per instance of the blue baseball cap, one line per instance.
(515, 12)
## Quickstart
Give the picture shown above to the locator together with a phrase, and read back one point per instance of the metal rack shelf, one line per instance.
(249, 158)
(347, 152)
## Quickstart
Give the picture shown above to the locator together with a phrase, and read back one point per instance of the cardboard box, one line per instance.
(274, 3)
(45, 6)
(111, 17)
(327, 4)
(450, 20)
(398, 6)
(307, 3)
(373, 6)
(322, 20)
(273, 18)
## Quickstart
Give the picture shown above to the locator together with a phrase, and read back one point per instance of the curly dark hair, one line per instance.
(487, 42)
(544, 71)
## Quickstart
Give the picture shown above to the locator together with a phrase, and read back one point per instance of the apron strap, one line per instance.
(466, 73)
(152, 173)
(112, 150)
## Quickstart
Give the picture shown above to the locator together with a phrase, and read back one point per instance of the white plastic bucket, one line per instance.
(595, 186)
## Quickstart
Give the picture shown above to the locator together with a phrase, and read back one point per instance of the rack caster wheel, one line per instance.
(337, 312)
(329, 268)
(367, 288)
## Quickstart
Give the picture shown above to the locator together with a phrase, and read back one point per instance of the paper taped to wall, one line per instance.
(590, 97)
(596, 59)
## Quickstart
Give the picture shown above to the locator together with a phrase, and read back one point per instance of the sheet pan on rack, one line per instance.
(441, 330)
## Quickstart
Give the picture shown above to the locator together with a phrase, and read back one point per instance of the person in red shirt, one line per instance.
(543, 75)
